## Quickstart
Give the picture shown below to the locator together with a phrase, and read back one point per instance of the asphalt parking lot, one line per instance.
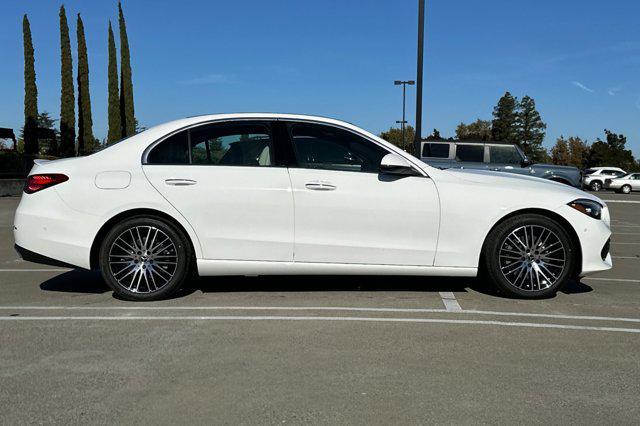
(321, 349)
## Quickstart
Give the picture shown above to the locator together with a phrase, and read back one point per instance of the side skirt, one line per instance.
(240, 267)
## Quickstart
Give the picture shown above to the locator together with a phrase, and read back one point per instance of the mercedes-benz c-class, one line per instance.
(263, 194)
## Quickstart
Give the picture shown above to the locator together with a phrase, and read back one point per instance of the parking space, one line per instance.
(321, 349)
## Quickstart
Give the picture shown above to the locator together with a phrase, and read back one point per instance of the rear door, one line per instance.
(224, 179)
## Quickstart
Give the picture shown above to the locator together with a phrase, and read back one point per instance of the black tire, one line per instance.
(165, 267)
(503, 270)
(626, 189)
(596, 185)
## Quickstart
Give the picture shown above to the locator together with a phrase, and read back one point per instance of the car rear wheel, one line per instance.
(596, 186)
(145, 258)
(529, 256)
(626, 189)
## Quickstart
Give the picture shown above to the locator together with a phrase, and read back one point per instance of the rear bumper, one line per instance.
(46, 229)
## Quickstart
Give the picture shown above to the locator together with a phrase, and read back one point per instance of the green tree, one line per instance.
(127, 116)
(434, 136)
(44, 121)
(504, 127)
(30, 93)
(612, 152)
(394, 135)
(67, 101)
(530, 130)
(479, 130)
(115, 126)
(86, 141)
(560, 152)
(578, 152)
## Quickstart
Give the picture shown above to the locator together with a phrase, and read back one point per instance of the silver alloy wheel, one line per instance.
(532, 258)
(596, 186)
(626, 189)
(143, 259)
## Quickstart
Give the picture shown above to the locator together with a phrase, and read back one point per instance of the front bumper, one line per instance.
(594, 236)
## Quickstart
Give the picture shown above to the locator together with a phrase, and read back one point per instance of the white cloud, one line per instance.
(582, 86)
(612, 91)
(206, 79)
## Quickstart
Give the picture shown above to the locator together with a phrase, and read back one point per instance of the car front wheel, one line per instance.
(529, 256)
(145, 258)
(626, 189)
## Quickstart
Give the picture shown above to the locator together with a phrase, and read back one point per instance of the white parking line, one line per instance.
(626, 233)
(633, 244)
(315, 308)
(358, 319)
(38, 270)
(450, 302)
(622, 201)
(611, 279)
(626, 257)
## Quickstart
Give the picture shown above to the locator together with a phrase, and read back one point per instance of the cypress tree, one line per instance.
(85, 122)
(126, 85)
(531, 130)
(67, 101)
(30, 94)
(115, 128)
(504, 126)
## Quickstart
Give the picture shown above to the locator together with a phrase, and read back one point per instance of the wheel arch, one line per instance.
(575, 241)
(97, 241)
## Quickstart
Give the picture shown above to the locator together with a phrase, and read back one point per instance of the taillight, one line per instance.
(37, 182)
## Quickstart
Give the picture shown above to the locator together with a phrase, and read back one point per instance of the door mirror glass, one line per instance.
(393, 164)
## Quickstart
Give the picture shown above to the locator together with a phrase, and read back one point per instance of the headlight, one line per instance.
(589, 207)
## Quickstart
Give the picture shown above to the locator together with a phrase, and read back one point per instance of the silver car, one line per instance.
(624, 184)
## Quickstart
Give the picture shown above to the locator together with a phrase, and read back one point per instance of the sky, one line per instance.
(579, 60)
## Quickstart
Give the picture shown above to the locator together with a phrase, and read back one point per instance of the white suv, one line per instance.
(595, 177)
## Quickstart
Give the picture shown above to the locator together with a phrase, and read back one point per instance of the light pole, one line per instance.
(418, 135)
(404, 96)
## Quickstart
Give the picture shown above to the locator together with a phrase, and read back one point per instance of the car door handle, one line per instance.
(320, 186)
(180, 182)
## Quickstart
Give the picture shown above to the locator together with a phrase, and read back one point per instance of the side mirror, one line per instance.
(393, 164)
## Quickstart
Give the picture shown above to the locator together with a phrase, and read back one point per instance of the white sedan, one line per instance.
(259, 194)
(624, 184)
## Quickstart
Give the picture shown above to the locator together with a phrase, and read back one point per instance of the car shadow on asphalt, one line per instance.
(90, 282)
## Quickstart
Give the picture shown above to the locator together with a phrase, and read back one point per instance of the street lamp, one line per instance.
(404, 96)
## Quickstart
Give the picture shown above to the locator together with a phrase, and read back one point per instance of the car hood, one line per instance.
(533, 185)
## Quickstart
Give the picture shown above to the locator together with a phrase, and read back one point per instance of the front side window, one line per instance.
(436, 150)
(470, 153)
(325, 147)
(232, 144)
(504, 155)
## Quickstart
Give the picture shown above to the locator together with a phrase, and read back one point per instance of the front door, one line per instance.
(222, 178)
(348, 212)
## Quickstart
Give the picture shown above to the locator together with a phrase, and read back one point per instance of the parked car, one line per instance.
(624, 184)
(261, 194)
(495, 156)
(595, 177)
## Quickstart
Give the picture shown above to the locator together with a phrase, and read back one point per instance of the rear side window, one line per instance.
(173, 150)
(504, 155)
(233, 144)
(229, 144)
(589, 171)
(470, 153)
(436, 150)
